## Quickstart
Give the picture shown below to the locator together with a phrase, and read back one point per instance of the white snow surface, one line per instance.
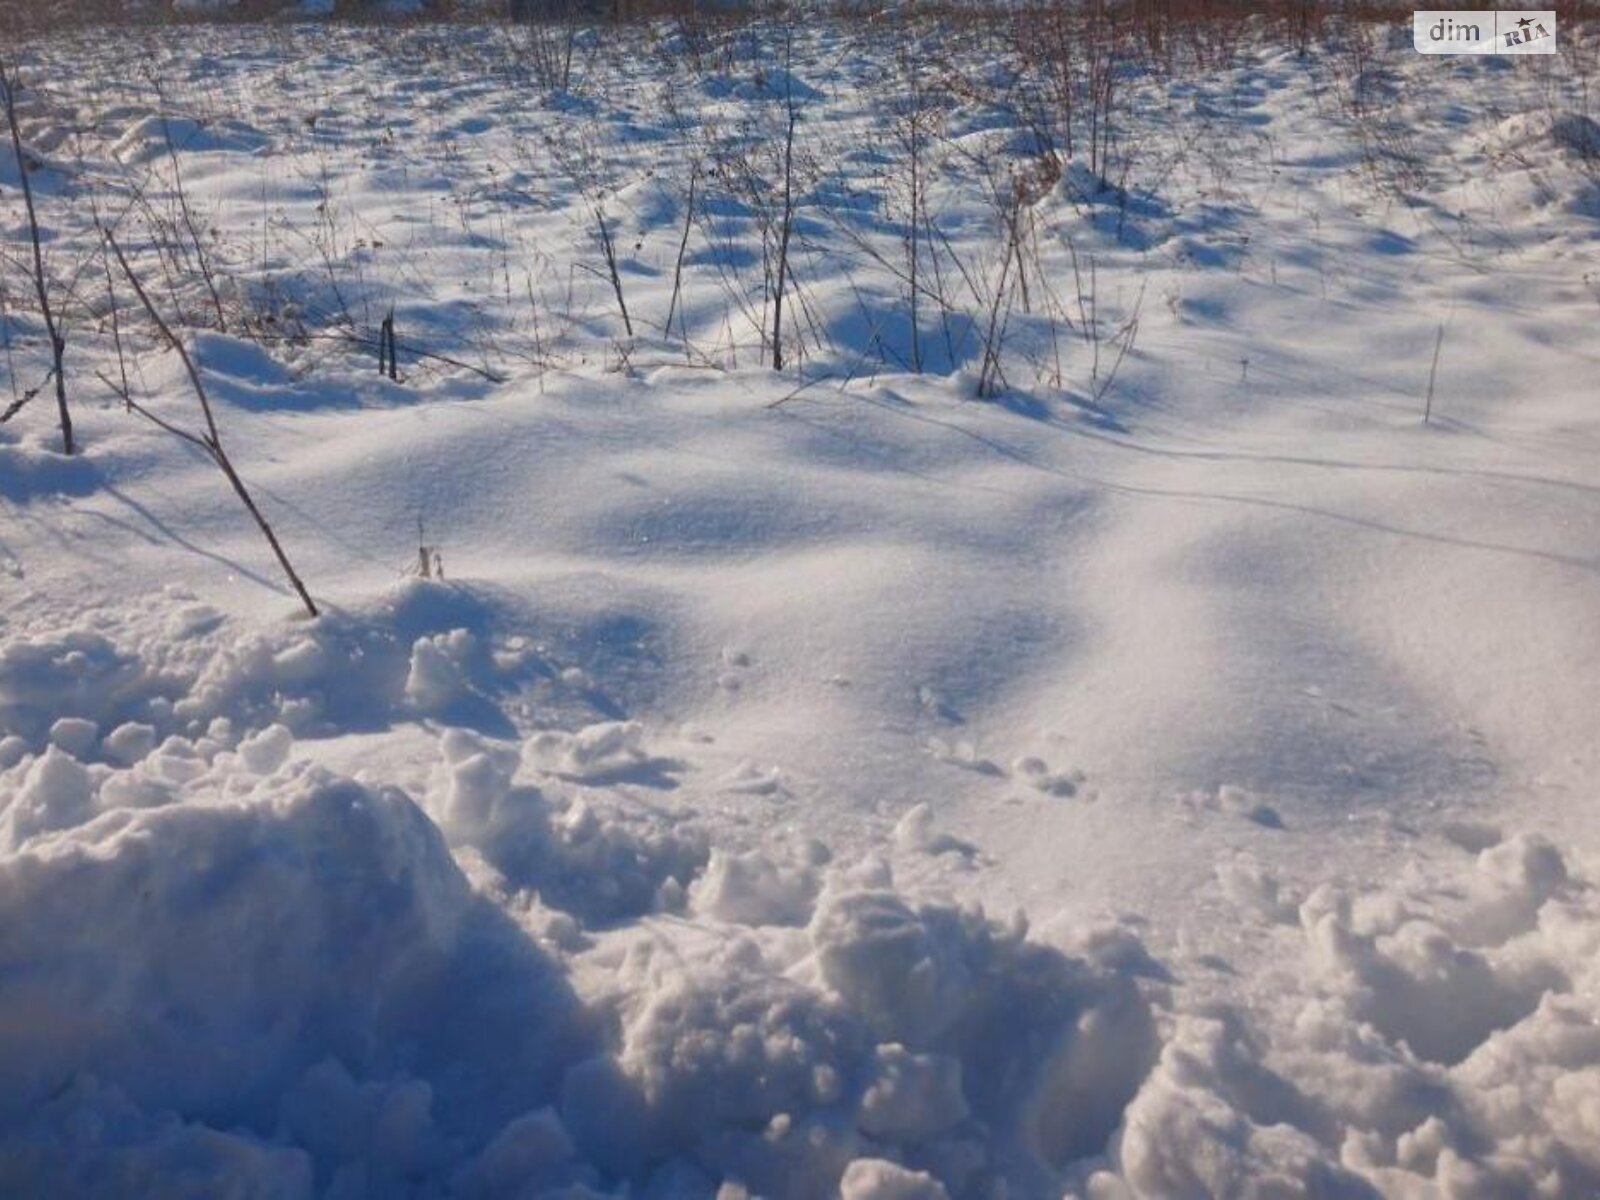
(818, 783)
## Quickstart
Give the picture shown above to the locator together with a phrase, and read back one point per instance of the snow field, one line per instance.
(822, 784)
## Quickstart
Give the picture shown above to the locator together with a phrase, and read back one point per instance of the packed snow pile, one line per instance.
(308, 990)
(262, 973)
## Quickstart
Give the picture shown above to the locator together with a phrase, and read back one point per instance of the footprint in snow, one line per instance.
(1037, 774)
(914, 834)
(1236, 802)
(747, 779)
(734, 661)
(964, 755)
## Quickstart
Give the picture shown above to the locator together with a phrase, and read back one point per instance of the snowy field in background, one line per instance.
(1171, 776)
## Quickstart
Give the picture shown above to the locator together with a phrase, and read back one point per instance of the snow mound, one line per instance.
(156, 136)
(271, 966)
(1443, 1042)
(594, 855)
(247, 972)
(949, 1048)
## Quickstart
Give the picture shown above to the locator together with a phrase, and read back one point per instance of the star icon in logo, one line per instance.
(1525, 22)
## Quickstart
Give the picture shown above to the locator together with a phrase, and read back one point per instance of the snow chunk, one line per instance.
(76, 735)
(1256, 890)
(879, 1179)
(382, 1131)
(727, 1044)
(471, 791)
(596, 753)
(1071, 1043)
(130, 741)
(750, 889)
(914, 834)
(594, 856)
(1241, 803)
(1038, 775)
(1184, 1136)
(76, 673)
(911, 1095)
(438, 674)
(747, 779)
(56, 794)
(1413, 982)
(1513, 882)
(264, 752)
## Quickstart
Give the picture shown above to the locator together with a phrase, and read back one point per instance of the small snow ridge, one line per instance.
(609, 751)
(155, 136)
(428, 650)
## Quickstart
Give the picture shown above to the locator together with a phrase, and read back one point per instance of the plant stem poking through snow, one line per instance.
(793, 115)
(991, 378)
(58, 345)
(1433, 372)
(609, 249)
(387, 361)
(211, 440)
(196, 238)
(430, 564)
(683, 246)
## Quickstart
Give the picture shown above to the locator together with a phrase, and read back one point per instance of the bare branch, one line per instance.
(211, 440)
(58, 345)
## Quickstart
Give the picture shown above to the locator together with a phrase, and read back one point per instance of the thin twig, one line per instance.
(683, 245)
(211, 440)
(58, 345)
(1433, 371)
